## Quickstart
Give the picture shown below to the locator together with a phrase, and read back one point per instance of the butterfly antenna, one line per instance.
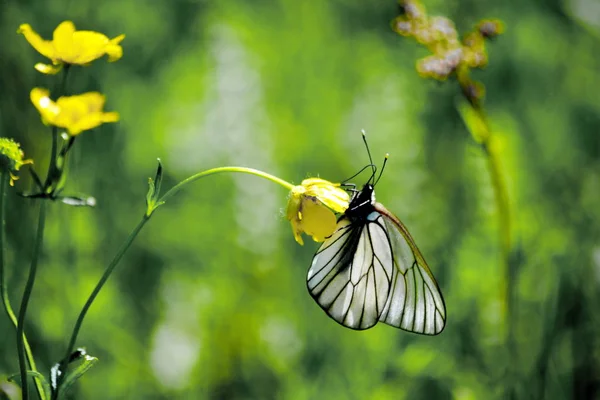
(387, 155)
(373, 167)
(358, 173)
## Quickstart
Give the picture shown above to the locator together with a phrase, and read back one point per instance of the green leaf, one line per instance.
(158, 180)
(36, 179)
(150, 197)
(154, 190)
(85, 363)
(474, 122)
(39, 377)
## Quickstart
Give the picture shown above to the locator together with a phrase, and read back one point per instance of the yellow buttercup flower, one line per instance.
(74, 113)
(312, 206)
(69, 46)
(11, 158)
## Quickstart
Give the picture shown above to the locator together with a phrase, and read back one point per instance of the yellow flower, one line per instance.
(11, 158)
(69, 46)
(74, 113)
(311, 208)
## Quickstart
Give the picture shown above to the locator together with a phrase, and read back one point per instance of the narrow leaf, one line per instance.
(77, 372)
(158, 180)
(39, 377)
(474, 122)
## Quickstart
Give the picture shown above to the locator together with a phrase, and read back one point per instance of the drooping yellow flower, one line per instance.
(74, 113)
(11, 158)
(312, 206)
(69, 46)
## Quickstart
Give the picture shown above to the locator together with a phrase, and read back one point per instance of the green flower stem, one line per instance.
(64, 363)
(52, 168)
(90, 300)
(4, 177)
(507, 289)
(218, 170)
(502, 204)
(26, 295)
(475, 119)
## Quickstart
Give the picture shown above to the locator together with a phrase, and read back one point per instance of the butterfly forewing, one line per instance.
(415, 302)
(351, 273)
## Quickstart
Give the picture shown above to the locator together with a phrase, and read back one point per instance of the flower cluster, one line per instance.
(451, 55)
(11, 158)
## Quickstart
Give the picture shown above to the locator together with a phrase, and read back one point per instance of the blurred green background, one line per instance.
(211, 300)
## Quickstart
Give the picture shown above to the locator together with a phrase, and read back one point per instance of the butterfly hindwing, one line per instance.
(415, 302)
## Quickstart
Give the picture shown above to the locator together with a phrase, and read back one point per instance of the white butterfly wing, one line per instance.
(415, 302)
(351, 274)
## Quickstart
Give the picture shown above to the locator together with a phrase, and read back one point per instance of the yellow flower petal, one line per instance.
(112, 116)
(328, 193)
(317, 221)
(86, 46)
(48, 69)
(86, 102)
(113, 50)
(44, 47)
(46, 107)
(63, 38)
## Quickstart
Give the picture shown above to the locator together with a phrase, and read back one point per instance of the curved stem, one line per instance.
(175, 189)
(26, 295)
(124, 247)
(4, 177)
(218, 170)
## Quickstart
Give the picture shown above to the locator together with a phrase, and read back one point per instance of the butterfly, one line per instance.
(371, 270)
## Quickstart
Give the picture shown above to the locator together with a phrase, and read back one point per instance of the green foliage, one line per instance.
(211, 301)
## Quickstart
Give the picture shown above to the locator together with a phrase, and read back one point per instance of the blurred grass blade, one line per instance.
(474, 122)
(85, 363)
(9, 391)
(39, 377)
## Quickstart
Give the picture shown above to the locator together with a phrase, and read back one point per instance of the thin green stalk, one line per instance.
(502, 204)
(213, 171)
(4, 177)
(52, 170)
(26, 296)
(481, 131)
(64, 363)
(124, 247)
(94, 294)
(52, 165)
